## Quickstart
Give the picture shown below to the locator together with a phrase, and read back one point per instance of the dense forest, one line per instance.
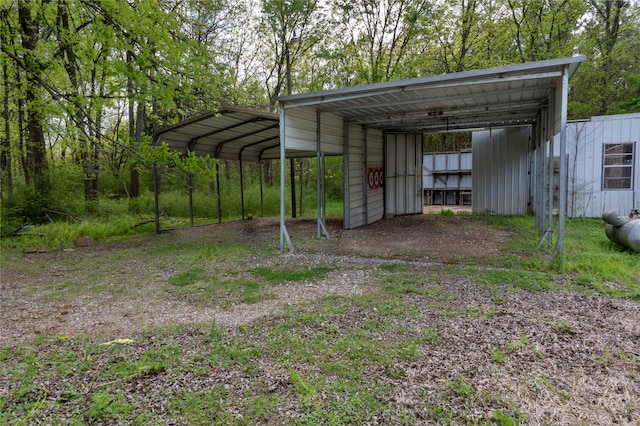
(86, 82)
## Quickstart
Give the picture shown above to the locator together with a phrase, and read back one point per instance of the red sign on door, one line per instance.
(375, 177)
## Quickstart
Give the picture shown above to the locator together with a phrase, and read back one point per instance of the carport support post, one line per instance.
(562, 197)
(190, 186)
(218, 190)
(260, 165)
(284, 235)
(242, 189)
(321, 201)
(537, 175)
(156, 190)
(551, 128)
(292, 169)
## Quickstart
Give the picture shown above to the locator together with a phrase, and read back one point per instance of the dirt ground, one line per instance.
(29, 310)
(580, 362)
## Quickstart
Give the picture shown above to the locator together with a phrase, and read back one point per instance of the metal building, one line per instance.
(603, 165)
(378, 129)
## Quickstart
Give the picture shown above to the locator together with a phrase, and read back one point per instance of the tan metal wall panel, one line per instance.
(331, 131)
(301, 131)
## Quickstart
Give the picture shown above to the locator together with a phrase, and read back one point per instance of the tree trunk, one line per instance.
(134, 184)
(134, 177)
(36, 146)
(21, 139)
(5, 147)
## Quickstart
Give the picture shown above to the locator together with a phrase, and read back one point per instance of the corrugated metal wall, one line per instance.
(301, 131)
(403, 170)
(375, 160)
(363, 151)
(585, 140)
(354, 177)
(501, 171)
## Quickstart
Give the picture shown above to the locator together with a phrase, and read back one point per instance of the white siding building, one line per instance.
(603, 165)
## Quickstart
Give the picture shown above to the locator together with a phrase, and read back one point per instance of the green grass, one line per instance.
(217, 287)
(590, 261)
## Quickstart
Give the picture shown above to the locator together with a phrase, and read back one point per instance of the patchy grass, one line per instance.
(339, 360)
(284, 275)
(590, 261)
(440, 344)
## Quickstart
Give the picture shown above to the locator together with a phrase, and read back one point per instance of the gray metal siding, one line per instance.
(375, 159)
(301, 131)
(365, 205)
(585, 140)
(500, 171)
(403, 174)
(355, 164)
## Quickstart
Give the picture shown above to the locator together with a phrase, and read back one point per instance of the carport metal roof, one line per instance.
(497, 97)
(230, 134)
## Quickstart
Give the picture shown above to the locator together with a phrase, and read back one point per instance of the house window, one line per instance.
(618, 161)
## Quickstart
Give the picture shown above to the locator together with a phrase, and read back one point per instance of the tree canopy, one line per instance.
(86, 82)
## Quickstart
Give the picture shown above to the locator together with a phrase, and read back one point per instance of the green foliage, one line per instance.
(203, 287)
(458, 387)
(25, 207)
(201, 407)
(443, 415)
(632, 102)
(530, 280)
(105, 406)
(595, 261)
(57, 235)
(189, 277)
(497, 355)
(304, 390)
(503, 419)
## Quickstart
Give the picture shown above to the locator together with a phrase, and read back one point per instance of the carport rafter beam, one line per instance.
(195, 139)
(530, 108)
(221, 145)
(267, 149)
(181, 125)
(467, 125)
(258, 143)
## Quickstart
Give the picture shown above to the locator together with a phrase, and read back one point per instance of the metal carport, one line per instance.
(237, 134)
(533, 94)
